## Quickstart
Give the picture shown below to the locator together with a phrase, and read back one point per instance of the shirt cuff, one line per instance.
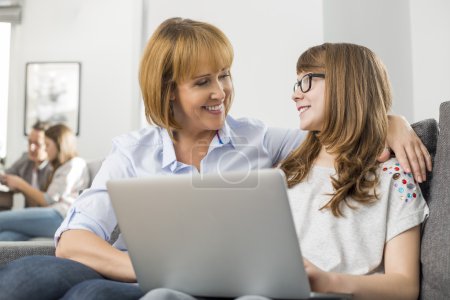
(77, 220)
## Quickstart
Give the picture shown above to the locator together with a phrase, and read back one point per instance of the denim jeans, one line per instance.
(23, 224)
(49, 277)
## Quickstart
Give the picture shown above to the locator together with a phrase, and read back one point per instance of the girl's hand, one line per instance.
(319, 280)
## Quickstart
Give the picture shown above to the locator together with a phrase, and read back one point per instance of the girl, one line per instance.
(358, 221)
(69, 177)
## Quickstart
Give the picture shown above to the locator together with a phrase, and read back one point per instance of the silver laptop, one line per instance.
(217, 235)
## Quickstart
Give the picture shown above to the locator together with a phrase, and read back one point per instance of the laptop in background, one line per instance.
(216, 235)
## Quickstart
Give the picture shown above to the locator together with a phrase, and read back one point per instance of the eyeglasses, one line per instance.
(304, 84)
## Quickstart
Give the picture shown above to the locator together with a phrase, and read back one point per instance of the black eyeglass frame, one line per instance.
(298, 83)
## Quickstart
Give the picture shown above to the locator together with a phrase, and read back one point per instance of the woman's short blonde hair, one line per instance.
(173, 54)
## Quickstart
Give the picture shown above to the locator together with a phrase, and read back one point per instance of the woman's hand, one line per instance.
(319, 280)
(14, 182)
(407, 147)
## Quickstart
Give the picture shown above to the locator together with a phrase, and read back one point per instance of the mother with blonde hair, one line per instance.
(186, 85)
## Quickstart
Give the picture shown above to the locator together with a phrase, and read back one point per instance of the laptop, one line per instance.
(214, 235)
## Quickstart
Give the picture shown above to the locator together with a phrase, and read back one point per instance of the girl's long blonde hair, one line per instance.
(357, 99)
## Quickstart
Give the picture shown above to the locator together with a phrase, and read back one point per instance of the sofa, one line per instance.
(38, 246)
(435, 245)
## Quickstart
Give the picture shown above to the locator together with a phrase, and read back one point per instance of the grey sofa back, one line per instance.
(435, 247)
(428, 132)
(93, 167)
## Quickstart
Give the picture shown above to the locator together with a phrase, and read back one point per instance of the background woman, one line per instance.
(69, 177)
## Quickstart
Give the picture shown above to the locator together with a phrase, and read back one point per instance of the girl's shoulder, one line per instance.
(392, 169)
(75, 162)
(78, 160)
(401, 183)
(390, 166)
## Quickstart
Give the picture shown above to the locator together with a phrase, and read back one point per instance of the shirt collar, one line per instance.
(223, 136)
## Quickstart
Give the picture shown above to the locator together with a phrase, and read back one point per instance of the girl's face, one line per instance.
(311, 103)
(199, 103)
(52, 150)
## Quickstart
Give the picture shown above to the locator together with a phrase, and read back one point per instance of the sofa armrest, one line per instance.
(10, 251)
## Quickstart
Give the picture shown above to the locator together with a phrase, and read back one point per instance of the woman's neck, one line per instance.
(325, 159)
(191, 148)
(186, 136)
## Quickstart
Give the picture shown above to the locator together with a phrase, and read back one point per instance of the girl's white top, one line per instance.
(354, 243)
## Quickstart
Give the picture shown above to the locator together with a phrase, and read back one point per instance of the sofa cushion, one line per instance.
(13, 250)
(435, 252)
(93, 167)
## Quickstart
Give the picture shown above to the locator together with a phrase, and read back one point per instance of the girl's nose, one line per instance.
(297, 95)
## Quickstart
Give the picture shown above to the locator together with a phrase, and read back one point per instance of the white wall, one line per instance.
(384, 27)
(267, 36)
(104, 35)
(4, 79)
(430, 29)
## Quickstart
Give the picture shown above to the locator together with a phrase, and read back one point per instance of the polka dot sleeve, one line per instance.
(407, 207)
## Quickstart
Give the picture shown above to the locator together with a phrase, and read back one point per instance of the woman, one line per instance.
(69, 177)
(187, 90)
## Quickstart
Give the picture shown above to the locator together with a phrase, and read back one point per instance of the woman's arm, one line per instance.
(34, 195)
(87, 248)
(408, 148)
(400, 281)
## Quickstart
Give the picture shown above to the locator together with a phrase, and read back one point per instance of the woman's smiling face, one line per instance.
(200, 102)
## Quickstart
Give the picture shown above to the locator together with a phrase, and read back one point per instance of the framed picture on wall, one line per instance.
(52, 94)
